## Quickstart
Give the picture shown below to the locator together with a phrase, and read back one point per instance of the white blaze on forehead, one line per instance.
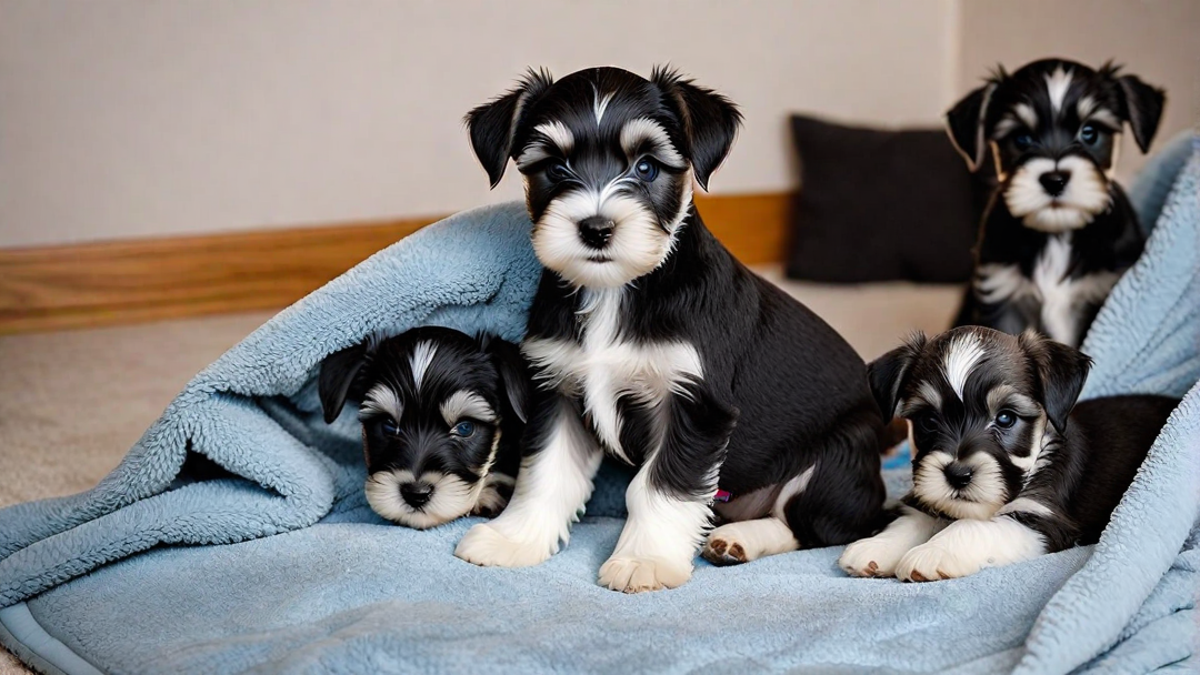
(1057, 84)
(464, 404)
(640, 130)
(381, 400)
(961, 356)
(600, 104)
(559, 134)
(419, 361)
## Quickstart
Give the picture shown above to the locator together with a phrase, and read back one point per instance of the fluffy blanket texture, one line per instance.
(234, 536)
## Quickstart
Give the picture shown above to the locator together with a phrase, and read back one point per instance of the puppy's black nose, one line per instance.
(596, 231)
(958, 475)
(1054, 182)
(417, 493)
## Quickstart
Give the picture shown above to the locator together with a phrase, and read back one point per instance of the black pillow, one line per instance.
(877, 205)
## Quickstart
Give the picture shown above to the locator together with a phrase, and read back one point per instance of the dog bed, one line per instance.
(234, 536)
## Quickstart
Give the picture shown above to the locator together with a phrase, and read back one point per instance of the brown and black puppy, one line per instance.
(1006, 466)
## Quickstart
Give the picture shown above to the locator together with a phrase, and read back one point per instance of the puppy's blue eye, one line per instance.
(1022, 140)
(463, 429)
(1006, 419)
(390, 427)
(1089, 134)
(646, 170)
(557, 171)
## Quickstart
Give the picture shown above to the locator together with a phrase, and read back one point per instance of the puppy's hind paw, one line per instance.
(483, 545)
(635, 575)
(720, 552)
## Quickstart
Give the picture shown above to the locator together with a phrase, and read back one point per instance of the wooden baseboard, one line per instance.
(78, 286)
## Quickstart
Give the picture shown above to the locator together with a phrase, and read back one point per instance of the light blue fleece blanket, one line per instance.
(276, 564)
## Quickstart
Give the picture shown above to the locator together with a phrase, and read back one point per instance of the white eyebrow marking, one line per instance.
(466, 404)
(1057, 84)
(419, 361)
(559, 134)
(536, 152)
(930, 393)
(381, 400)
(960, 357)
(1085, 106)
(1026, 114)
(641, 129)
(600, 104)
(1107, 118)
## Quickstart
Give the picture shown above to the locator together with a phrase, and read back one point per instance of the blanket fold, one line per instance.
(241, 488)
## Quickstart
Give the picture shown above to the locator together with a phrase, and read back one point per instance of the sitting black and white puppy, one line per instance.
(442, 415)
(1058, 231)
(651, 344)
(1006, 465)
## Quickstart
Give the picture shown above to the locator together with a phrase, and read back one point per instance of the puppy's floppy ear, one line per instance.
(514, 374)
(494, 125)
(887, 372)
(1061, 371)
(339, 376)
(964, 123)
(710, 120)
(1142, 105)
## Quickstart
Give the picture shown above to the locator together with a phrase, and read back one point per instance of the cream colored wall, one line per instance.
(1158, 40)
(125, 118)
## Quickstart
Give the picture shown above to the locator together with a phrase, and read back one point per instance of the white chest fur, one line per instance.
(1060, 297)
(603, 367)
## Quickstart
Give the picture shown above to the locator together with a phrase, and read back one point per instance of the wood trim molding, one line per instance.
(87, 285)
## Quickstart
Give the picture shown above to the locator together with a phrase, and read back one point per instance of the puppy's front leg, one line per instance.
(669, 500)
(967, 546)
(554, 482)
(878, 556)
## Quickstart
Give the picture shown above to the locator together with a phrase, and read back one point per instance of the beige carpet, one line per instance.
(72, 403)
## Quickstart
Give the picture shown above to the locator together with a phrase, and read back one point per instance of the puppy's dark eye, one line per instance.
(646, 170)
(1006, 419)
(557, 171)
(1089, 134)
(1022, 140)
(390, 427)
(463, 429)
(926, 421)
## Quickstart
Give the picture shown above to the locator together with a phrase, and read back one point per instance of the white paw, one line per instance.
(930, 562)
(634, 575)
(483, 545)
(873, 557)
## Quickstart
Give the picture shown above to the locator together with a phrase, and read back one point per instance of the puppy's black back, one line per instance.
(1112, 436)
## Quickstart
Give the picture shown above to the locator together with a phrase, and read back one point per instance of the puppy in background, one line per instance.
(1058, 231)
(652, 344)
(442, 415)
(1006, 466)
